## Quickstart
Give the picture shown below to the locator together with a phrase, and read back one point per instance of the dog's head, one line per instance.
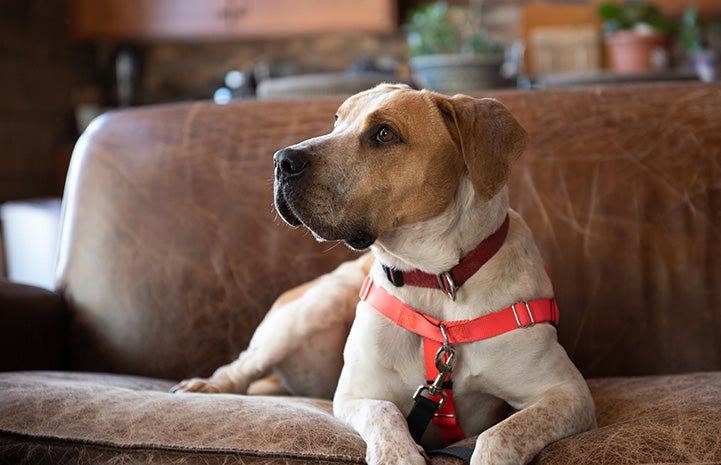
(395, 157)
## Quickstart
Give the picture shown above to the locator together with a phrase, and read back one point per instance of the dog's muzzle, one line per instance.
(292, 174)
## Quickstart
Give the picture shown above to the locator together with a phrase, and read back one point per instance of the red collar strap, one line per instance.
(518, 315)
(435, 333)
(454, 278)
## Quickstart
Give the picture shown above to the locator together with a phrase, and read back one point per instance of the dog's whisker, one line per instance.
(333, 246)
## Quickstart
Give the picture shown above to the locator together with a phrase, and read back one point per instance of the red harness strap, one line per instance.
(445, 417)
(519, 315)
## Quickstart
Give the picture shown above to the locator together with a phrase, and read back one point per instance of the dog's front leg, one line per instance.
(384, 429)
(379, 360)
(560, 412)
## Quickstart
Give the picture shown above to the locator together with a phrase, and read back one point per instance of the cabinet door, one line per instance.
(149, 19)
(292, 17)
(675, 8)
(225, 19)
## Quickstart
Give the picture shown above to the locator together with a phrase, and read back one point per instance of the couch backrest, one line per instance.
(622, 188)
(171, 251)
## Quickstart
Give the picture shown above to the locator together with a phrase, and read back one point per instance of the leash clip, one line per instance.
(445, 358)
(430, 389)
(436, 388)
(445, 355)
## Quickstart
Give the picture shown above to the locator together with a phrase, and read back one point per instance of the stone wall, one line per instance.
(39, 71)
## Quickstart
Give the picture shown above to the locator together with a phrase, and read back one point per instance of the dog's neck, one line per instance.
(437, 245)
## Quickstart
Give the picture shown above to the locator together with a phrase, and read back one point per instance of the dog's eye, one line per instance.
(385, 135)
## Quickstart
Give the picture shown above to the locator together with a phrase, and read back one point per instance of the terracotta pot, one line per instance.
(631, 51)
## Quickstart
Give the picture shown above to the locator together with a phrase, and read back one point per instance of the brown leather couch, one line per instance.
(171, 253)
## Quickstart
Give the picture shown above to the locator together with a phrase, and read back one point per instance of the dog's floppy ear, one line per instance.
(489, 138)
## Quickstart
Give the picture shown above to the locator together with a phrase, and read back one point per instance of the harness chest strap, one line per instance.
(519, 315)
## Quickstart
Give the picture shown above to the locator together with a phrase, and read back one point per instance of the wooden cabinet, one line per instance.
(226, 19)
(675, 8)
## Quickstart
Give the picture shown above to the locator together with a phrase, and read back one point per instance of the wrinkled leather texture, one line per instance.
(171, 251)
(622, 189)
(642, 420)
(657, 419)
(171, 254)
(94, 417)
(140, 415)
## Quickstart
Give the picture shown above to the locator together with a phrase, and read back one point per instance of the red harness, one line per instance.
(519, 315)
(439, 336)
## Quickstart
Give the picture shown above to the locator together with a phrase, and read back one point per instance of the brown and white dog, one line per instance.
(420, 178)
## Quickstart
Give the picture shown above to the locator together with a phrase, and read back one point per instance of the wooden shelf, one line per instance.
(675, 8)
(226, 19)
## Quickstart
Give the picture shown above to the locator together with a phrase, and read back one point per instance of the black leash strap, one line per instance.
(463, 453)
(418, 419)
(420, 416)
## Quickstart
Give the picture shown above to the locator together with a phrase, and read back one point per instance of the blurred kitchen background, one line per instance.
(62, 62)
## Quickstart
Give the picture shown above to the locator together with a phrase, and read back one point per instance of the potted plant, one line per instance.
(448, 54)
(695, 40)
(636, 35)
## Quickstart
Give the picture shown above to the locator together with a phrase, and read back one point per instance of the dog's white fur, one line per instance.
(525, 368)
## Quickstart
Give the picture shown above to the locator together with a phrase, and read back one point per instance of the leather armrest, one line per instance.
(33, 328)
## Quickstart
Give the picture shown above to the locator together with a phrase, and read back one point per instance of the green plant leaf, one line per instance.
(436, 28)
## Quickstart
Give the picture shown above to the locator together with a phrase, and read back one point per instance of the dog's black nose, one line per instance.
(290, 162)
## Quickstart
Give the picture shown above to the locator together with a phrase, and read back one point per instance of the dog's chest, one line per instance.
(395, 361)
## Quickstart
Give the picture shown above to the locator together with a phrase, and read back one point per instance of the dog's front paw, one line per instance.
(395, 454)
(496, 449)
(204, 385)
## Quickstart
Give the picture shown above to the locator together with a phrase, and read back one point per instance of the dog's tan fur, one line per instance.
(423, 200)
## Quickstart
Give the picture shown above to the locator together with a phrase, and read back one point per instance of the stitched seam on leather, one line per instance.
(180, 449)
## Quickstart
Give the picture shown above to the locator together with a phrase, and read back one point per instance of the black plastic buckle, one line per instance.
(394, 276)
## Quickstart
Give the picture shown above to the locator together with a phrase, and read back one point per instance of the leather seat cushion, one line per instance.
(642, 420)
(50, 417)
(657, 419)
(53, 416)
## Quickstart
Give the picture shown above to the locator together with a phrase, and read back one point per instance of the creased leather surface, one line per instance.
(660, 419)
(622, 189)
(171, 250)
(71, 410)
(171, 254)
(63, 417)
